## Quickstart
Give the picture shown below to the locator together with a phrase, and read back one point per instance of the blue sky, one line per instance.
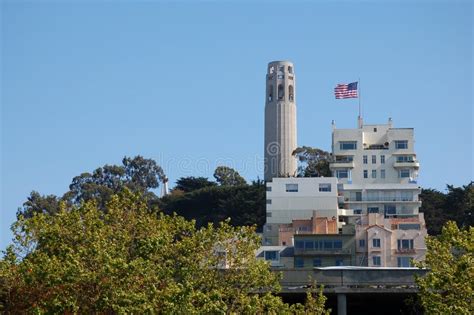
(86, 83)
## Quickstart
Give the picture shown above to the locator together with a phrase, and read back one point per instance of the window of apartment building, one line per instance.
(269, 201)
(374, 173)
(299, 262)
(269, 214)
(348, 145)
(364, 159)
(406, 195)
(404, 261)
(372, 195)
(344, 158)
(267, 241)
(376, 261)
(339, 262)
(401, 144)
(308, 245)
(409, 226)
(325, 187)
(342, 173)
(366, 174)
(376, 242)
(404, 173)
(291, 187)
(382, 173)
(374, 159)
(328, 244)
(357, 211)
(317, 262)
(299, 244)
(269, 188)
(361, 243)
(390, 209)
(373, 209)
(337, 244)
(405, 244)
(405, 158)
(271, 255)
(382, 159)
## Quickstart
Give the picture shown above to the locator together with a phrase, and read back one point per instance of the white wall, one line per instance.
(287, 206)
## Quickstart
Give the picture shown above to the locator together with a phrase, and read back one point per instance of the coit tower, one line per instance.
(280, 120)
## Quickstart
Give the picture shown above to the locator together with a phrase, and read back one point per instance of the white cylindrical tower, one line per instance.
(280, 120)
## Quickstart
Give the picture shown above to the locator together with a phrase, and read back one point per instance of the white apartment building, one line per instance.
(297, 198)
(378, 168)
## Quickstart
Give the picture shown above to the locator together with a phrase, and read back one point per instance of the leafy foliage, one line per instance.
(227, 176)
(188, 184)
(136, 174)
(456, 205)
(244, 205)
(129, 260)
(448, 288)
(314, 162)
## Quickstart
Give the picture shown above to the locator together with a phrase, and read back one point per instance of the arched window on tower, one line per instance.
(270, 93)
(281, 92)
(291, 95)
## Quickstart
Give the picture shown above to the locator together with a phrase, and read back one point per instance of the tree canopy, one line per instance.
(127, 259)
(457, 204)
(188, 184)
(244, 205)
(314, 162)
(227, 176)
(448, 287)
(137, 174)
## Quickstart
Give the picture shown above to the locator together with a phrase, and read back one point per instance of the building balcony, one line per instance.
(341, 164)
(407, 164)
(335, 252)
(405, 251)
(382, 200)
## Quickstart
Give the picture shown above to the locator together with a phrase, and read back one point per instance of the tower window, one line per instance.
(290, 69)
(290, 93)
(270, 93)
(272, 69)
(281, 92)
(281, 68)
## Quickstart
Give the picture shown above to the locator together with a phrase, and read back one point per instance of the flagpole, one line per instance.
(360, 96)
(359, 119)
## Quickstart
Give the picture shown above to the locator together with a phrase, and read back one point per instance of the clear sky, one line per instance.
(85, 83)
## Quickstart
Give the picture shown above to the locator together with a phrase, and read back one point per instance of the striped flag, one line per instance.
(346, 90)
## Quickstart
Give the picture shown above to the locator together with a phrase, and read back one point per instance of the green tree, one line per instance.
(188, 184)
(244, 205)
(137, 174)
(457, 204)
(37, 203)
(433, 202)
(314, 162)
(227, 176)
(448, 287)
(129, 260)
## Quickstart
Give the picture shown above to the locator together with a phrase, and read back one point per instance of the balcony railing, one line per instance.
(342, 164)
(405, 251)
(406, 164)
(315, 252)
(381, 199)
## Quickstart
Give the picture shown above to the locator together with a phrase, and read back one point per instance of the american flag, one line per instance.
(346, 90)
